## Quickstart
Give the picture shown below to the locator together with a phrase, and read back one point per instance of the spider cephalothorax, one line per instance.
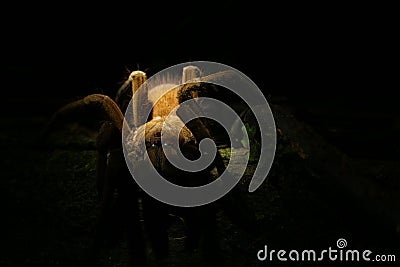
(113, 174)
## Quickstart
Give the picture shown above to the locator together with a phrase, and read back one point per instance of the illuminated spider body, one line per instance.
(113, 175)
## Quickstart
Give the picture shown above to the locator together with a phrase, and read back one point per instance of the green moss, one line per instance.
(225, 153)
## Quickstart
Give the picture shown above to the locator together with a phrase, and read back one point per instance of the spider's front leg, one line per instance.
(234, 204)
(112, 173)
(198, 126)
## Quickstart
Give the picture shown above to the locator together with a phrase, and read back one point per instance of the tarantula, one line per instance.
(113, 175)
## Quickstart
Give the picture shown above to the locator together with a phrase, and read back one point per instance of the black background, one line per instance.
(344, 51)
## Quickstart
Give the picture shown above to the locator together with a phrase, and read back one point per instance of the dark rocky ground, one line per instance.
(48, 196)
